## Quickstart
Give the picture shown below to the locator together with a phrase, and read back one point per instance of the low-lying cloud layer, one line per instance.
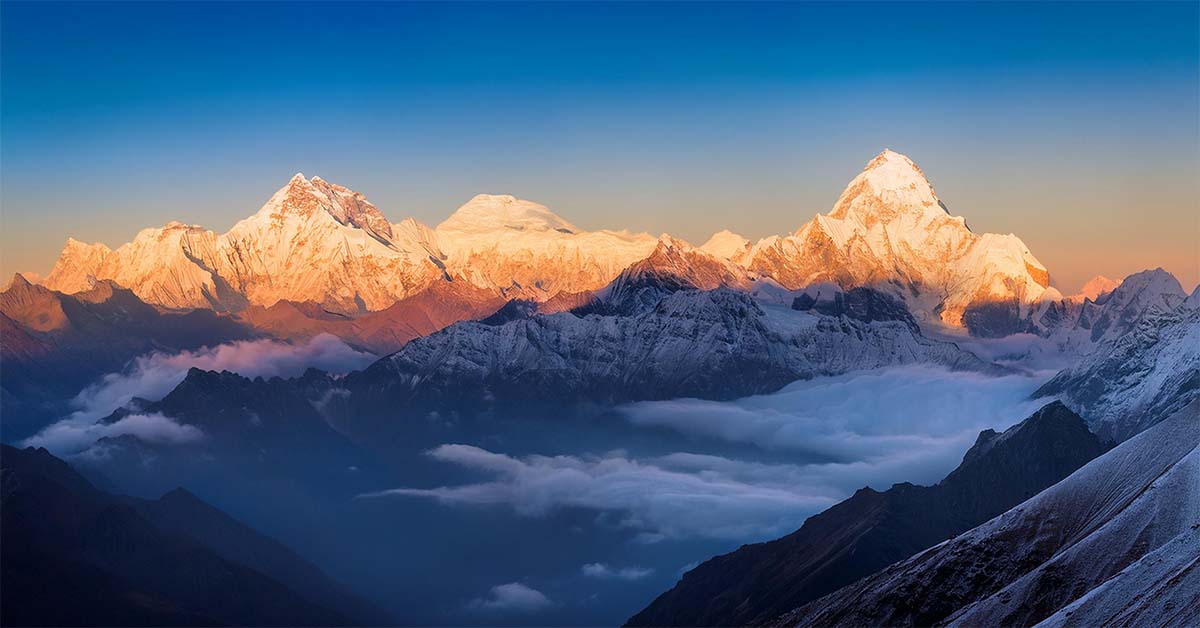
(907, 423)
(659, 497)
(153, 375)
(876, 429)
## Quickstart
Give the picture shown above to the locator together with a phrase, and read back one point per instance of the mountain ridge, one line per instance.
(873, 529)
(1094, 529)
(888, 230)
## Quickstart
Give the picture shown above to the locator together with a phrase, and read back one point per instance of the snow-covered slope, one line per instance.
(160, 265)
(1139, 376)
(889, 229)
(75, 264)
(711, 344)
(498, 241)
(312, 241)
(726, 244)
(1117, 524)
(1121, 309)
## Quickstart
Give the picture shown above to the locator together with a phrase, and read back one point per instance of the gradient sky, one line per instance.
(1073, 125)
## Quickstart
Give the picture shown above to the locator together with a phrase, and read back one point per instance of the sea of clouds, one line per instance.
(863, 429)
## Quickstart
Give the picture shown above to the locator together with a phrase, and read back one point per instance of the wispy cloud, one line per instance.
(152, 428)
(672, 496)
(154, 375)
(513, 596)
(604, 572)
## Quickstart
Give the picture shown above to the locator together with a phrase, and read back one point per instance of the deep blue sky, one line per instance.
(1072, 125)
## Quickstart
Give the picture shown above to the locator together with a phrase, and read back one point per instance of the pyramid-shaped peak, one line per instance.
(1151, 283)
(491, 212)
(890, 170)
(890, 157)
(18, 281)
(313, 197)
(667, 241)
(891, 187)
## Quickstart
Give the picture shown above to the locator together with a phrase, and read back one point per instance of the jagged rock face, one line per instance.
(716, 344)
(1137, 378)
(873, 529)
(1080, 325)
(889, 229)
(1121, 309)
(499, 241)
(265, 417)
(1107, 527)
(674, 265)
(861, 304)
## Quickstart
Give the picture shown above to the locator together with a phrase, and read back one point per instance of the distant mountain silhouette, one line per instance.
(74, 555)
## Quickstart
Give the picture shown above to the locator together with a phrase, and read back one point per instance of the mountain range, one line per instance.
(506, 318)
(321, 243)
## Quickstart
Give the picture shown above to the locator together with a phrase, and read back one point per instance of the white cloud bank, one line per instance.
(153, 375)
(878, 428)
(513, 596)
(892, 417)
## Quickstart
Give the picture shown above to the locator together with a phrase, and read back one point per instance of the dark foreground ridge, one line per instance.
(873, 529)
(74, 555)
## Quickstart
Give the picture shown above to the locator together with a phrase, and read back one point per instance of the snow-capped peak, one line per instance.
(1096, 287)
(493, 212)
(307, 198)
(725, 244)
(890, 187)
(1148, 287)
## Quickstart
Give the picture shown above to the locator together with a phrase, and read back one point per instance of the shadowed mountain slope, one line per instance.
(74, 555)
(872, 529)
(1127, 522)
